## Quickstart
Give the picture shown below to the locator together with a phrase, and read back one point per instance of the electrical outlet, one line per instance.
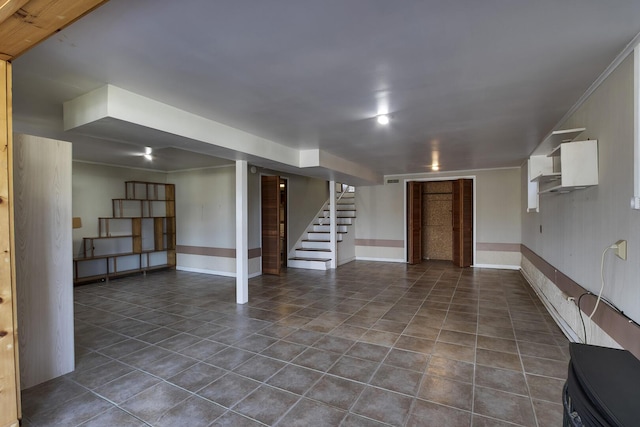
(621, 249)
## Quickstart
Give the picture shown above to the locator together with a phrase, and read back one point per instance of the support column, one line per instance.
(9, 371)
(332, 225)
(242, 234)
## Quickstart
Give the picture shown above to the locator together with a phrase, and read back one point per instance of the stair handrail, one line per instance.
(344, 189)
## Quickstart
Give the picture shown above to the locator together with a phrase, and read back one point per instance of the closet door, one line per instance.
(271, 225)
(414, 222)
(463, 222)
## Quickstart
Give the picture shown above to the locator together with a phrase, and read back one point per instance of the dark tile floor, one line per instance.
(370, 344)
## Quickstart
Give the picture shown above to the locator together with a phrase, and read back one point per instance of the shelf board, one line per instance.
(143, 200)
(554, 189)
(117, 255)
(558, 189)
(547, 177)
(119, 236)
(555, 138)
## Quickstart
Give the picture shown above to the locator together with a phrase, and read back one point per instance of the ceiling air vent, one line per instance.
(393, 181)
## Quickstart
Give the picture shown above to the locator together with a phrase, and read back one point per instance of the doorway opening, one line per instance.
(440, 221)
(274, 198)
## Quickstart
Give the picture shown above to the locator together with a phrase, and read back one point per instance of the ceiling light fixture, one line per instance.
(435, 167)
(383, 119)
(147, 153)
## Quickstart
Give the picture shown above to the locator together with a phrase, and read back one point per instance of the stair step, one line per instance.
(310, 264)
(315, 244)
(311, 253)
(343, 213)
(323, 236)
(309, 259)
(326, 228)
(348, 205)
(339, 221)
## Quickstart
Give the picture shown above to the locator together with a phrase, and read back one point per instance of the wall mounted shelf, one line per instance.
(560, 165)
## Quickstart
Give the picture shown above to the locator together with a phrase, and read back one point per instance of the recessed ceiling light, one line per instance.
(148, 150)
(147, 156)
(435, 167)
(383, 119)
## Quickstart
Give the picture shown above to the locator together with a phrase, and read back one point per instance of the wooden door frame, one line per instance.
(286, 220)
(286, 178)
(413, 188)
(442, 178)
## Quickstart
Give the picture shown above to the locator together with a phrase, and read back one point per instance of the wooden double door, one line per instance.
(462, 222)
(274, 224)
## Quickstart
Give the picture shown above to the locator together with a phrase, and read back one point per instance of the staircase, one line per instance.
(314, 250)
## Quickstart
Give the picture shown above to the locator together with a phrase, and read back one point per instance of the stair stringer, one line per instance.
(320, 258)
(292, 251)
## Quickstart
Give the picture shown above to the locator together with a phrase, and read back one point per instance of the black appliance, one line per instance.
(602, 388)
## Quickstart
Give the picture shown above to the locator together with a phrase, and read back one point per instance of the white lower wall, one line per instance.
(498, 259)
(565, 312)
(347, 247)
(222, 266)
(206, 264)
(380, 253)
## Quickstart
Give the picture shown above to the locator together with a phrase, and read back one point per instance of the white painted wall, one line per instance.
(347, 247)
(205, 213)
(381, 214)
(205, 216)
(205, 207)
(306, 197)
(577, 227)
(44, 275)
(93, 188)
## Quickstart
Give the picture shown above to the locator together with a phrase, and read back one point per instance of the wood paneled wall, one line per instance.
(44, 274)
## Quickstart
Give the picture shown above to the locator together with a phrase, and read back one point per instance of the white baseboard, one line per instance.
(215, 273)
(365, 258)
(497, 266)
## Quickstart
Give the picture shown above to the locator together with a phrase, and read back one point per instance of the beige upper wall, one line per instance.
(205, 207)
(498, 218)
(578, 226)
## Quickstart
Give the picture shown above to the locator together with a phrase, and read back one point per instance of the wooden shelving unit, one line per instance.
(139, 237)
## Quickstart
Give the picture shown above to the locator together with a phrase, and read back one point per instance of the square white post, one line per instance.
(332, 224)
(242, 234)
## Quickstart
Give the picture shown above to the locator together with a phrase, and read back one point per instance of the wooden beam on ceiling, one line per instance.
(9, 7)
(25, 23)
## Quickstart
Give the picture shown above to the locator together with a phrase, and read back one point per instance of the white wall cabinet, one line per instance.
(560, 165)
(571, 166)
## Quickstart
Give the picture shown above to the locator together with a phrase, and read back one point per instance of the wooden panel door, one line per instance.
(463, 222)
(271, 225)
(414, 222)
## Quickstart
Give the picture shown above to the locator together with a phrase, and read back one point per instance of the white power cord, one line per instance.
(614, 246)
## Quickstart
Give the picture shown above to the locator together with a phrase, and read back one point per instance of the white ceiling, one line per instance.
(475, 84)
